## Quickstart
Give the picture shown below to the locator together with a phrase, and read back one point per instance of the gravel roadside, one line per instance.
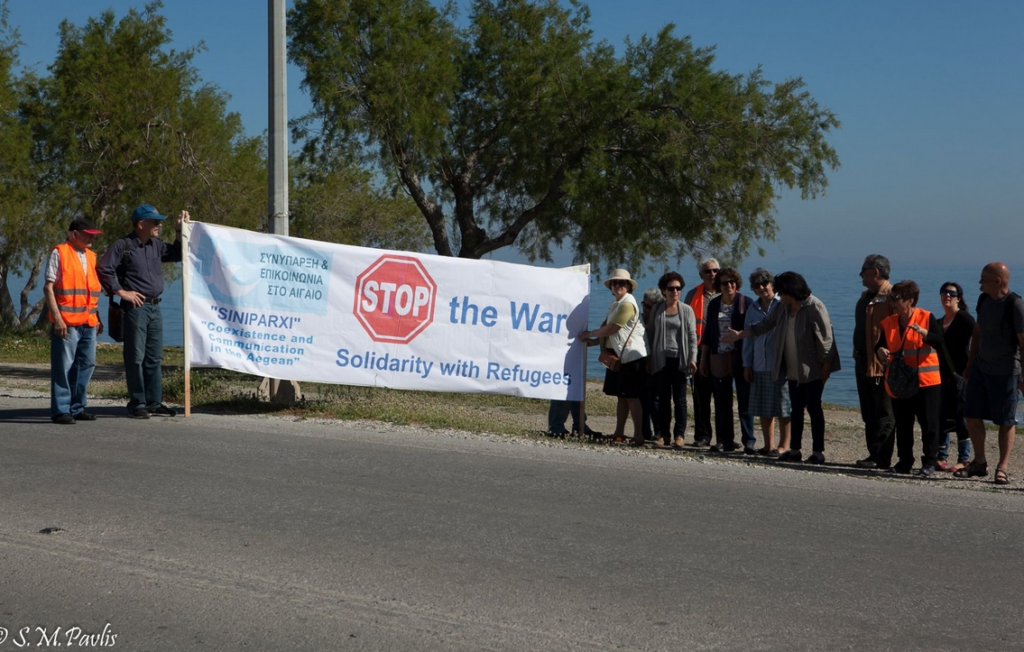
(844, 435)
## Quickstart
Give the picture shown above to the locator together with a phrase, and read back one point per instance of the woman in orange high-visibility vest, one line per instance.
(918, 335)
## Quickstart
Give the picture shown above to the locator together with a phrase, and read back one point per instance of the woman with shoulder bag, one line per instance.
(914, 335)
(723, 362)
(621, 337)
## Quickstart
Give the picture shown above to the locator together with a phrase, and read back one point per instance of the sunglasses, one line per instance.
(730, 282)
(760, 285)
(710, 270)
(949, 293)
(674, 288)
(618, 283)
(894, 298)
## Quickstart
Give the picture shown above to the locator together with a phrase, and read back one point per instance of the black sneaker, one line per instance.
(139, 413)
(815, 458)
(64, 419)
(162, 411)
(85, 416)
(925, 472)
(790, 456)
(749, 450)
(867, 463)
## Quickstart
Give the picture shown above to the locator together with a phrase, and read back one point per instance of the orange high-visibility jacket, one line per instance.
(915, 351)
(697, 303)
(78, 294)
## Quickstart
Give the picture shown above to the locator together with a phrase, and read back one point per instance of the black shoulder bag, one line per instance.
(902, 378)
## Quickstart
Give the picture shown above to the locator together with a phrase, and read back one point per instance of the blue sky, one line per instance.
(929, 95)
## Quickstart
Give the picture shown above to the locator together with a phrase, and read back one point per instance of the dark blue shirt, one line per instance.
(141, 271)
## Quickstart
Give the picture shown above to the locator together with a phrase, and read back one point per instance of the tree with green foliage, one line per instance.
(124, 119)
(342, 205)
(23, 231)
(514, 127)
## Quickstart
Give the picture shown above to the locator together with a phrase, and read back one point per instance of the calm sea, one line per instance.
(837, 285)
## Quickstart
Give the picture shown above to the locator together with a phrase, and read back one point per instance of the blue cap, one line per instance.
(146, 212)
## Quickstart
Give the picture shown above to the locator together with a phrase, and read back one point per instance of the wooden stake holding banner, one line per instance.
(186, 290)
(582, 424)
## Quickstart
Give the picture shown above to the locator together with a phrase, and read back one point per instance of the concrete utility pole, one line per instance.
(278, 119)
(272, 389)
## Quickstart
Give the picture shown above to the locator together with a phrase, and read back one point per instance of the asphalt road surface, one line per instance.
(231, 533)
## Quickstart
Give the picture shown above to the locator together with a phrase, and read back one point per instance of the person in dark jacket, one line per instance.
(957, 330)
(723, 362)
(131, 269)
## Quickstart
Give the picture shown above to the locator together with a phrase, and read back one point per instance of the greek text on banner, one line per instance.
(318, 312)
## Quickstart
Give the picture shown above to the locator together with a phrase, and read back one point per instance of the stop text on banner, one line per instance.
(311, 311)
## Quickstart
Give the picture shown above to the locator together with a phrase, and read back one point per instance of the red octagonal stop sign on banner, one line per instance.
(395, 299)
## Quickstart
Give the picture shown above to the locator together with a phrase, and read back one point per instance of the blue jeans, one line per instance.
(559, 411)
(963, 449)
(72, 361)
(143, 355)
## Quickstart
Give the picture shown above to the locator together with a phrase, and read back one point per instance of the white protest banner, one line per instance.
(318, 312)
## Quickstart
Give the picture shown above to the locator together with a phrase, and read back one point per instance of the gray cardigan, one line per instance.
(687, 343)
(815, 342)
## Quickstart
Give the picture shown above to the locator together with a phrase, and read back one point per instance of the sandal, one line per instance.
(942, 465)
(768, 452)
(1002, 477)
(972, 470)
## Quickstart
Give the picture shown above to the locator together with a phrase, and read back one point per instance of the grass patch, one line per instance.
(33, 347)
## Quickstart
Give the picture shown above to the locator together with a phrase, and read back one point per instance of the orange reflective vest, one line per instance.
(77, 293)
(697, 303)
(915, 351)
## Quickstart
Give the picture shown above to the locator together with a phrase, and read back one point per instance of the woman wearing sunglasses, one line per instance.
(672, 343)
(769, 397)
(915, 334)
(622, 335)
(957, 328)
(723, 361)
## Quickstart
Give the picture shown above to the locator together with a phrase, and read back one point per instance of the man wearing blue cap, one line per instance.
(131, 269)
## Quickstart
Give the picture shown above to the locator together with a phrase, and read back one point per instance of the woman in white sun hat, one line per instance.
(621, 336)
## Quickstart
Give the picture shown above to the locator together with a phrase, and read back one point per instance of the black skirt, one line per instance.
(628, 382)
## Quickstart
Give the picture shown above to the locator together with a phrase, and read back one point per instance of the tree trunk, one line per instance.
(8, 316)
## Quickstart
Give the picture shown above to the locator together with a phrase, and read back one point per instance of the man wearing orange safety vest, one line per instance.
(72, 292)
(915, 334)
(698, 299)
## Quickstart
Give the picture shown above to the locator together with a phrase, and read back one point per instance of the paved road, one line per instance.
(228, 533)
